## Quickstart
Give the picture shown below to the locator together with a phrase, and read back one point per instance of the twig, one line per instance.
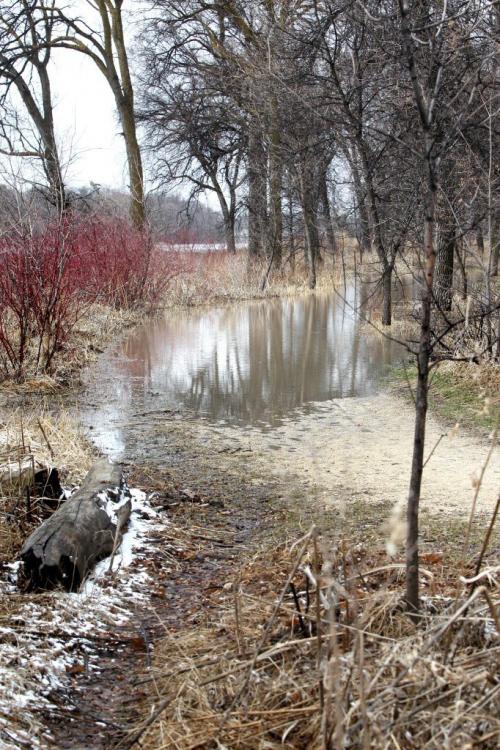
(433, 450)
(492, 608)
(299, 610)
(362, 692)
(267, 630)
(137, 735)
(318, 615)
(239, 637)
(46, 439)
(486, 540)
(476, 493)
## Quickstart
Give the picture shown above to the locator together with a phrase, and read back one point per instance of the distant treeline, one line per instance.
(171, 217)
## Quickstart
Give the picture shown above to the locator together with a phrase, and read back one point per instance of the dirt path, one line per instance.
(362, 447)
(218, 490)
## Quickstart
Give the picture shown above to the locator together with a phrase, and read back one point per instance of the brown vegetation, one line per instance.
(30, 442)
(282, 663)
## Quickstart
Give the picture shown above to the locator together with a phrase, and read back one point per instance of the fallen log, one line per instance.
(84, 530)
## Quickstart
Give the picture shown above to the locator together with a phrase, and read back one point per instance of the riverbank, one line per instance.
(99, 327)
(229, 507)
(460, 393)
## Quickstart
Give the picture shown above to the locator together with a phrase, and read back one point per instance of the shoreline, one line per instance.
(228, 496)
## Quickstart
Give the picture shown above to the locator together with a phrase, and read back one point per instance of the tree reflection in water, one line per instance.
(254, 362)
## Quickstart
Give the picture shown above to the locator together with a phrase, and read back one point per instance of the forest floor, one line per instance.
(226, 506)
(182, 647)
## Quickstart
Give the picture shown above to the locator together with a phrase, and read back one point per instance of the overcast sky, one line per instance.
(85, 117)
(86, 121)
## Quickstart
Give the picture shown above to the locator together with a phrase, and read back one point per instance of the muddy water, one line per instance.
(288, 388)
(247, 364)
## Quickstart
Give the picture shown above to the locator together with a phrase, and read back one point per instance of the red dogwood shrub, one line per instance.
(50, 276)
(40, 300)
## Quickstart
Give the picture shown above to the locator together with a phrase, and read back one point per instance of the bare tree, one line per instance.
(443, 69)
(106, 46)
(195, 132)
(369, 120)
(26, 35)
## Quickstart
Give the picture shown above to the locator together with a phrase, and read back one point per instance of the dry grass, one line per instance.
(223, 277)
(28, 443)
(281, 662)
(485, 377)
(97, 328)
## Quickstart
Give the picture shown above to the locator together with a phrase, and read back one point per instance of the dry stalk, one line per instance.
(268, 627)
(386, 662)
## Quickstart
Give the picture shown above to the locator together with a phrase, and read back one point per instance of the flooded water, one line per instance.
(249, 363)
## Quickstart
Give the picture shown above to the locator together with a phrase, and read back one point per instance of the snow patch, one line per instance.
(50, 637)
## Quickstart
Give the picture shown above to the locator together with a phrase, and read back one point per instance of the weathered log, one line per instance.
(84, 530)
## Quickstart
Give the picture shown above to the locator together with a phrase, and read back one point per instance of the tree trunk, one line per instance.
(421, 396)
(257, 211)
(387, 295)
(275, 197)
(364, 237)
(309, 192)
(44, 122)
(312, 238)
(52, 167)
(230, 234)
(123, 90)
(291, 231)
(376, 237)
(444, 265)
(52, 163)
(327, 215)
(494, 247)
(84, 530)
(228, 218)
(134, 162)
(480, 239)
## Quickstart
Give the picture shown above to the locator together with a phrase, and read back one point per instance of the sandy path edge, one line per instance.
(363, 447)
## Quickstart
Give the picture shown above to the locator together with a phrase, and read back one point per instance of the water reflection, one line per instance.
(256, 361)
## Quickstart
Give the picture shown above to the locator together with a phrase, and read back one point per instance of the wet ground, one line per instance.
(285, 387)
(247, 422)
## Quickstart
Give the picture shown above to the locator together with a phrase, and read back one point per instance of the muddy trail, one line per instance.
(234, 456)
(214, 520)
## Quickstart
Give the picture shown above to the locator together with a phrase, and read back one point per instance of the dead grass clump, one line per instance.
(226, 277)
(30, 443)
(98, 328)
(485, 377)
(282, 662)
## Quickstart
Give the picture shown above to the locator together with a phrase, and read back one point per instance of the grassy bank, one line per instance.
(97, 328)
(219, 278)
(461, 393)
